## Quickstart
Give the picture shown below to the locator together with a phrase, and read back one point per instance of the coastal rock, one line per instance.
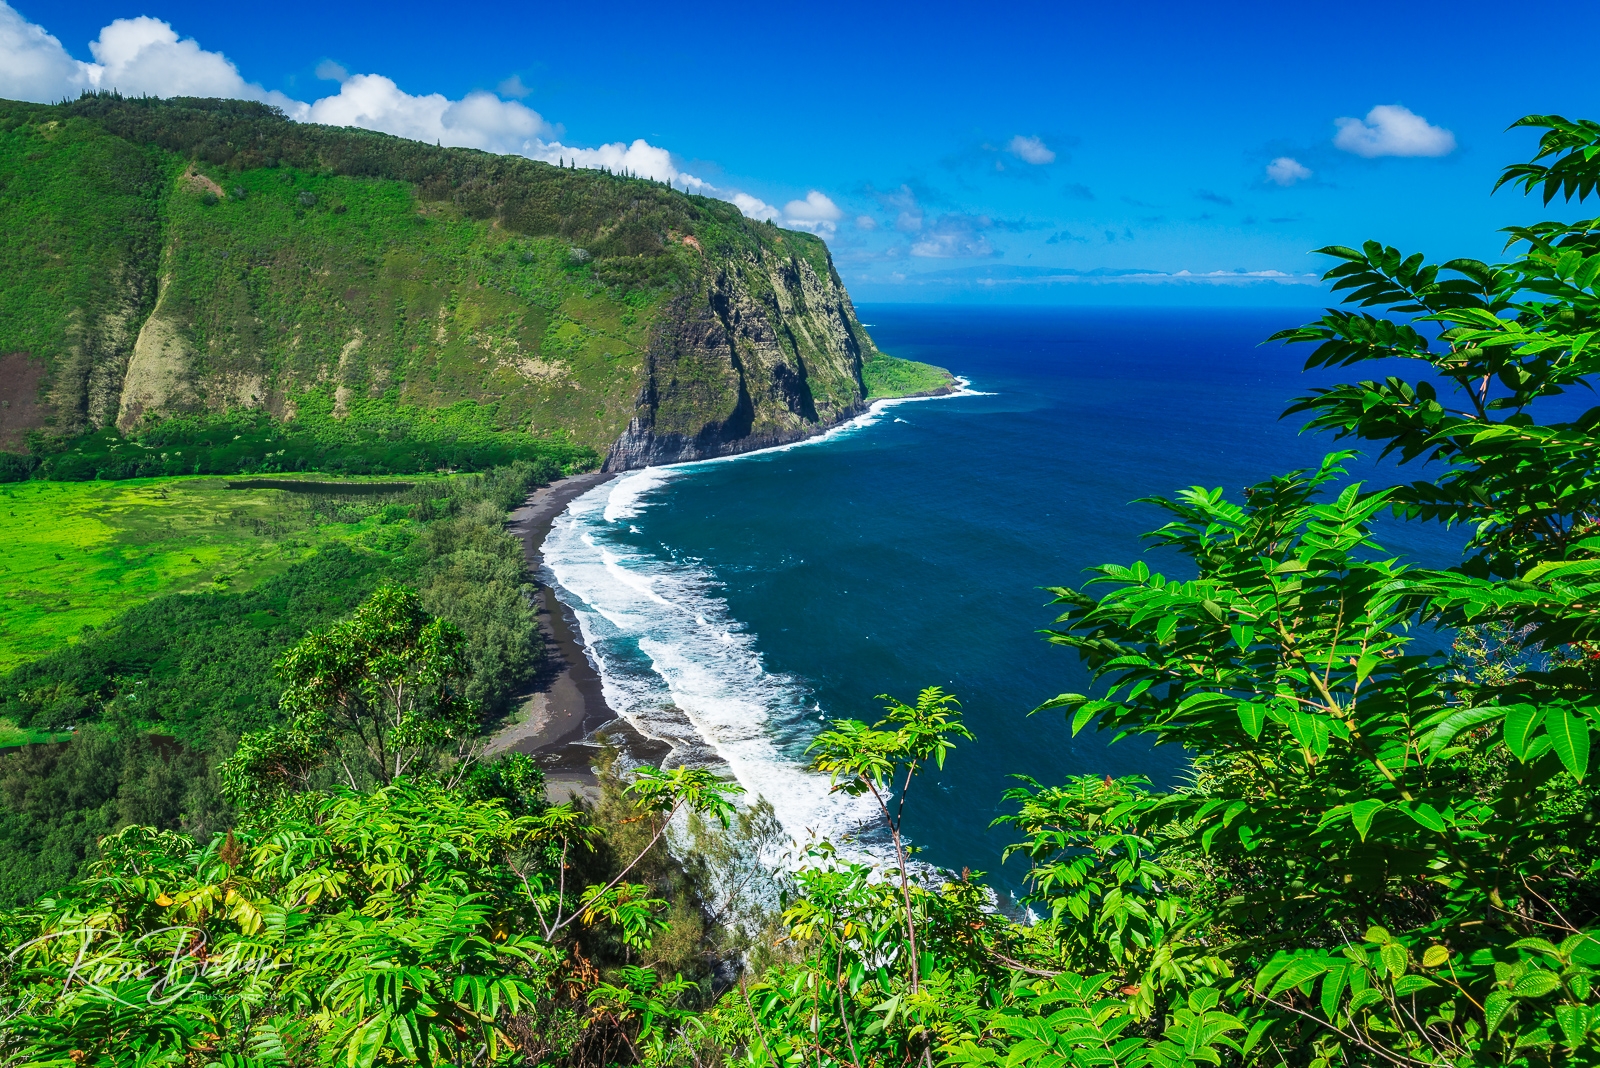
(762, 352)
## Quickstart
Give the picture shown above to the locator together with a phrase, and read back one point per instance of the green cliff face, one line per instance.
(195, 257)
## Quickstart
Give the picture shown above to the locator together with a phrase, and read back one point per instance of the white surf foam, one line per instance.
(873, 413)
(667, 650)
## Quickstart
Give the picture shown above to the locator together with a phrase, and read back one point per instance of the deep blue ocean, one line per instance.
(755, 597)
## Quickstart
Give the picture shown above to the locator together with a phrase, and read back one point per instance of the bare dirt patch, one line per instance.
(20, 410)
(203, 184)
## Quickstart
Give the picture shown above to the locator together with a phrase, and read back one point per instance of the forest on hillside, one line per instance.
(193, 286)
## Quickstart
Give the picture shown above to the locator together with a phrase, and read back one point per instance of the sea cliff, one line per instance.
(204, 258)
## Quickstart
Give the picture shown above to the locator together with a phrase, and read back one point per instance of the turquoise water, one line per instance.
(733, 605)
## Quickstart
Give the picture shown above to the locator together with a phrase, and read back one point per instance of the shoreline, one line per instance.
(559, 719)
(567, 703)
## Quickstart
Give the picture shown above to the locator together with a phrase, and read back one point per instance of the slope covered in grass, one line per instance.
(199, 259)
(77, 554)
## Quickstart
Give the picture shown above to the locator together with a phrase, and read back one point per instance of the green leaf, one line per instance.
(1407, 985)
(1257, 1030)
(1569, 735)
(1561, 569)
(1536, 984)
(1495, 1008)
(1539, 945)
(1435, 956)
(1452, 726)
(1583, 949)
(1362, 814)
(1574, 1023)
(1252, 717)
(1426, 815)
(1333, 986)
(1369, 996)
(366, 1042)
(1519, 726)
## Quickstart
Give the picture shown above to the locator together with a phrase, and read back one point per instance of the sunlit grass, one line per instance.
(890, 376)
(77, 554)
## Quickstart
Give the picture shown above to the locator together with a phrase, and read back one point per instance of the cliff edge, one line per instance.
(198, 259)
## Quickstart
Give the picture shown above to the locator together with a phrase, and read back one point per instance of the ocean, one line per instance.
(734, 606)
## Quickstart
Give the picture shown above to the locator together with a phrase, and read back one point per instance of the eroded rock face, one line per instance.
(600, 310)
(765, 351)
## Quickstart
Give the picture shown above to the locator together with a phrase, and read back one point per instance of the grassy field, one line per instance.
(11, 734)
(890, 376)
(77, 554)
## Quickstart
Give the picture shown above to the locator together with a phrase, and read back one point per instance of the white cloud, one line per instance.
(1030, 150)
(1391, 130)
(33, 65)
(641, 159)
(479, 120)
(955, 236)
(755, 207)
(816, 213)
(1287, 171)
(145, 56)
(866, 222)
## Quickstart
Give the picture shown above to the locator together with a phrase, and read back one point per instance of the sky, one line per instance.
(1022, 153)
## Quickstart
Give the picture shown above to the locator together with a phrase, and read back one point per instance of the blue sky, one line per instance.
(946, 152)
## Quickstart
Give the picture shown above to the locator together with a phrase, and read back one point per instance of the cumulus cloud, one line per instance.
(1392, 130)
(479, 120)
(139, 56)
(755, 207)
(866, 222)
(1286, 171)
(816, 213)
(33, 65)
(145, 56)
(1030, 150)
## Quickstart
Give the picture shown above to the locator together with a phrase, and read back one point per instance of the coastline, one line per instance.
(564, 717)
(567, 703)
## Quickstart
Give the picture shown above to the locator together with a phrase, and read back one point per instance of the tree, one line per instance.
(862, 759)
(1384, 858)
(378, 692)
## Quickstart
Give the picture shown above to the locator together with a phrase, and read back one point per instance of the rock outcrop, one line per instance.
(763, 352)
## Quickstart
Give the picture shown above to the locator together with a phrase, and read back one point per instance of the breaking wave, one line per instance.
(679, 668)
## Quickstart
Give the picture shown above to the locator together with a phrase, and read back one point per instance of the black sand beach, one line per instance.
(558, 720)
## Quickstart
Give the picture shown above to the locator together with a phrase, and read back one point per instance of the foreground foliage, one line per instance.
(337, 929)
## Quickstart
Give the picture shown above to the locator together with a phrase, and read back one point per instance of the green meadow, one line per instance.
(77, 554)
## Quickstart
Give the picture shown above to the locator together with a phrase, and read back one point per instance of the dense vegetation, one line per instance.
(1388, 853)
(890, 376)
(79, 554)
(374, 438)
(195, 671)
(311, 297)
